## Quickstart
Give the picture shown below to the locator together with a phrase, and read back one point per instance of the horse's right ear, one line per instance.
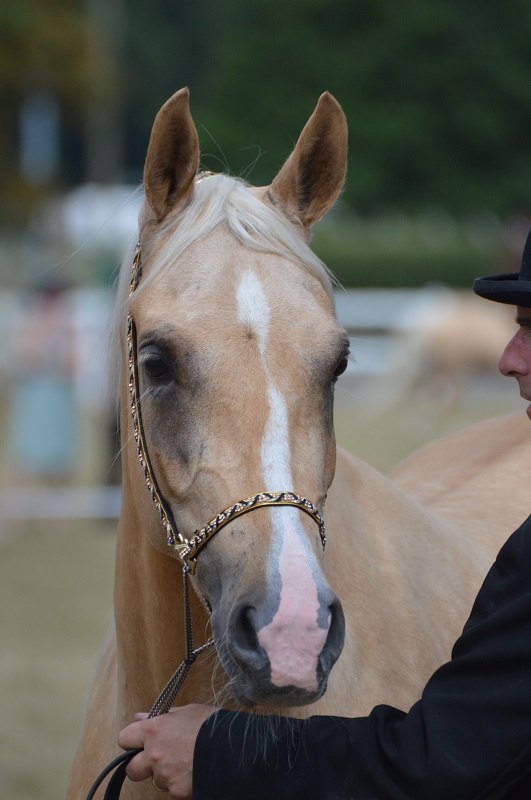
(312, 177)
(173, 156)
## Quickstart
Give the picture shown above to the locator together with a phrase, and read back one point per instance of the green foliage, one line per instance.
(408, 251)
(436, 95)
(41, 44)
(166, 47)
(41, 49)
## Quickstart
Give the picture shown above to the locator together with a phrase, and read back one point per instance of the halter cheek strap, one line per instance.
(187, 548)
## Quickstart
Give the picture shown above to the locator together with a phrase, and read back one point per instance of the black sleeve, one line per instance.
(468, 738)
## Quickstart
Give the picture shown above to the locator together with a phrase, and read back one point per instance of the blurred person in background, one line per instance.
(41, 415)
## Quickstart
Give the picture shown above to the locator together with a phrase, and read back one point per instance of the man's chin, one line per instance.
(528, 411)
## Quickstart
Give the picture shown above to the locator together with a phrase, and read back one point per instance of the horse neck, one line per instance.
(414, 577)
(149, 607)
(419, 557)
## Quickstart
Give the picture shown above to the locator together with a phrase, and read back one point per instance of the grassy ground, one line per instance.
(55, 596)
(55, 601)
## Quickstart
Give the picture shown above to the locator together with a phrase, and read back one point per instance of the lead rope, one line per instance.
(162, 704)
(166, 698)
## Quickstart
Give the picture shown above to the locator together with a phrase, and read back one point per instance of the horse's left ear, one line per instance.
(172, 157)
(312, 177)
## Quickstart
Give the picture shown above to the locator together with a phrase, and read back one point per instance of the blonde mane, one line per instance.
(220, 199)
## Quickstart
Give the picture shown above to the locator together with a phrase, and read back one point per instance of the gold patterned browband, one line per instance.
(187, 549)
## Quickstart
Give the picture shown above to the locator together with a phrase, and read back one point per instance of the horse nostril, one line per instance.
(243, 638)
(336, 635)
(247, 629)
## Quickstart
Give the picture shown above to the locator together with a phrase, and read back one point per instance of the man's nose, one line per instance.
(512, 361)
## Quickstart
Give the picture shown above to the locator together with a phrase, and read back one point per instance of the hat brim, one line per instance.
(504, 288)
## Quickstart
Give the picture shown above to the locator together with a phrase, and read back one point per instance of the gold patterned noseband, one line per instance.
(187, 549)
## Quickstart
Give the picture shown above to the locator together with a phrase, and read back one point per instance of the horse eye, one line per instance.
(155, 366)
(341, 367)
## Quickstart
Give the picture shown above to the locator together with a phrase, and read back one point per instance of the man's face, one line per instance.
(515, 361)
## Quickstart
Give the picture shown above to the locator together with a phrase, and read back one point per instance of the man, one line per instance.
(468, 738)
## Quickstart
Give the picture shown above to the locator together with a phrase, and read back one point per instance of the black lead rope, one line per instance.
(118, 766)
(162, 704)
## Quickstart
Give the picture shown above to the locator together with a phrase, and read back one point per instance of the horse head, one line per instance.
(238, 350)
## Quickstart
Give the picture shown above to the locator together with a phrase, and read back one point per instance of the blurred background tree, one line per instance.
(43, 73)
(436, 95)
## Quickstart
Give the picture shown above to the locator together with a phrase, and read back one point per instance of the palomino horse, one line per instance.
(237, 350)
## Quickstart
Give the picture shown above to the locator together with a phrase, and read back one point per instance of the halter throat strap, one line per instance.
(187, 548)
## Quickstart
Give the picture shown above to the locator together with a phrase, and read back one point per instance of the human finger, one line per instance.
(132, 736)
(139, 768)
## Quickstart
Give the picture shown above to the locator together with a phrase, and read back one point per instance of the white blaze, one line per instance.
(275, 451)
(293, 639)
(253, 308)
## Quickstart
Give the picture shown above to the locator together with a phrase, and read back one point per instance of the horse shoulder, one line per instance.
(477, 478)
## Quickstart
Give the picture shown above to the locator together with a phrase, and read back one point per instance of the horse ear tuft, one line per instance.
(312, 177)
(173, 156)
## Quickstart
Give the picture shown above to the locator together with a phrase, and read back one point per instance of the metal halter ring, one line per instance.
(187, 549)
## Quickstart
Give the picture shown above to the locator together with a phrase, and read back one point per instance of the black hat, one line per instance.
(509, 287)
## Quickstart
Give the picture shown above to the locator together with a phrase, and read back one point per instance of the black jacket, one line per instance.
(468, 738)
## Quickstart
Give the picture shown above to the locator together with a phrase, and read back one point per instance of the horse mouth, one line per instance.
(254, 686)
(255, 690)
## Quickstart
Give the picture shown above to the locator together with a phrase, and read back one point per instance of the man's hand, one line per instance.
(168, 742)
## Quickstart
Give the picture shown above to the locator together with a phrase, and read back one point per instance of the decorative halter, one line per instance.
(187, 549)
